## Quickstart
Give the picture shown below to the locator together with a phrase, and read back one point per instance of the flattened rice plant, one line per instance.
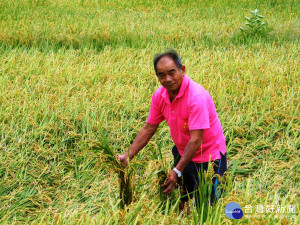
(125, 174)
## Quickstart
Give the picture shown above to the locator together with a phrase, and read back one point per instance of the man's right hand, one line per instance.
(123, 159)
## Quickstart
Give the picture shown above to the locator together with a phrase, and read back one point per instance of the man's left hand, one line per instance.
(170, 183)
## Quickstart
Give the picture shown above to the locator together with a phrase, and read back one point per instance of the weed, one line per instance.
(255, 27)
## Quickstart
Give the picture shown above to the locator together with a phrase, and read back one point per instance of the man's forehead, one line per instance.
(166, 62)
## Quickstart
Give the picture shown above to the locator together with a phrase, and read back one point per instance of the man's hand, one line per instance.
(123, 159)
(170, 183)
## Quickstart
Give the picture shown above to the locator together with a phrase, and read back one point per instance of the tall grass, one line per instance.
(72, 69)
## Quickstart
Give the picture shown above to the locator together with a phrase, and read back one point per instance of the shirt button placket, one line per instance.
(172, 109)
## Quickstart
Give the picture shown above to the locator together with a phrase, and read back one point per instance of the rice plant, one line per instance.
(125, 174)
(205, 203)
(165, 201)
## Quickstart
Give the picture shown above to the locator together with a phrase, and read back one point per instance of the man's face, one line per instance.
(168, 74)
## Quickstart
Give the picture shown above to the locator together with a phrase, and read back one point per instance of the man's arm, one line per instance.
(187, 156)
(140, 142)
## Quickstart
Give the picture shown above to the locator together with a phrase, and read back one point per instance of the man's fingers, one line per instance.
(120, 158)
(170, 185)
(166, 183)
(123, 160)
(169, 189)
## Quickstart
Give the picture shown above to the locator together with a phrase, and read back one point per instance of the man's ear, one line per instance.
(183, 69)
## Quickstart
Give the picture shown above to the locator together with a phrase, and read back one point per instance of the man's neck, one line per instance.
(173, 94)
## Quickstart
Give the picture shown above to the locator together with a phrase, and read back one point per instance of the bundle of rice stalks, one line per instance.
(162, 177)
(125, 174)
(165, 200)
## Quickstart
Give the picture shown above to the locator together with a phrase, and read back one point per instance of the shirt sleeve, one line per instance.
(199, 113)
(155, 114)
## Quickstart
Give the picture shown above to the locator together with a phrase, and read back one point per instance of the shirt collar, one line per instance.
(183, 86)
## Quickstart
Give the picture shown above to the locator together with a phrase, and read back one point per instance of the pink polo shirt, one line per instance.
(192, 109)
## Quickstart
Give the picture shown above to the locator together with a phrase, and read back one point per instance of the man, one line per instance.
(194, 125)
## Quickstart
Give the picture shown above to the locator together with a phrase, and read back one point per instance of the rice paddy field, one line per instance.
(75, 71)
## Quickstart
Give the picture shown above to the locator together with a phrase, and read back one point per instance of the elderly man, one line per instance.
(194, 124)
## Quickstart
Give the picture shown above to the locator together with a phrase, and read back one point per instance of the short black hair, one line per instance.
(170, 53)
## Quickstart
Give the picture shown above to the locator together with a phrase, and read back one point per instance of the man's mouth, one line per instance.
(169, 85)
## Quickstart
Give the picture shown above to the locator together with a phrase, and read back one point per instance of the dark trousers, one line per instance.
(191, 174)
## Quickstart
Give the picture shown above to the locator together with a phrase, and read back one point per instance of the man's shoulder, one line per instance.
(196, 89)
(198, 96)
(159, 91)
(158, 94)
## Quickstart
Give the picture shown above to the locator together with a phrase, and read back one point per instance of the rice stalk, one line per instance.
(165, 200)
(125, 174)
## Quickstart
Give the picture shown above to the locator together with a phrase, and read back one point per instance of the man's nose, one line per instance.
(168, 78)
